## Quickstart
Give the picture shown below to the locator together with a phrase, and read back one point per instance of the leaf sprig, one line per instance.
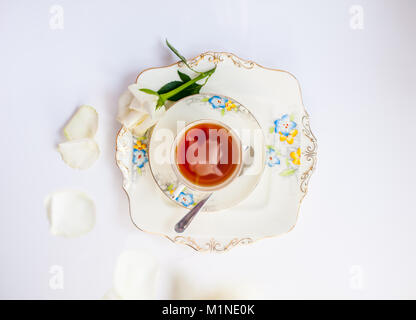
(179, 55)
(178, 89)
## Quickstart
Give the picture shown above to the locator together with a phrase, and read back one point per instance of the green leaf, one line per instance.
(189, 91)
(149, 91)
(292, 117)
(178, 54)
(192, 89)
(184, 77)
(205, 99)
(287, 172)
(271, 129)
(270, 147)
(222, 112)
(170, 86)
(175, 90)
(160, 102)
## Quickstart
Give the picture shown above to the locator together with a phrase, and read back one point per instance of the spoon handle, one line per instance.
(186, 220)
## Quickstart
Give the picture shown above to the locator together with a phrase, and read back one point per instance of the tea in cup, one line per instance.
(207, 155)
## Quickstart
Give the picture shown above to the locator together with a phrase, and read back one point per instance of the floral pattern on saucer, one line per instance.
(222, 103)
(217, 102)
(283, 152)
(140, 157)
(285, 127)
(185, 199)
(295, 155)
(272, 158)
(180, 194)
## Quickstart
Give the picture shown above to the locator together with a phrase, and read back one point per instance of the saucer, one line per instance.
(274, 99)
(207, 107)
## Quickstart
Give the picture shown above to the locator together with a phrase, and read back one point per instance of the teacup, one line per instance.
(206, 155)
(207, 111)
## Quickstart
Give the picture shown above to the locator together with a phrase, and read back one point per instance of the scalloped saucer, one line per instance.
(274, 99)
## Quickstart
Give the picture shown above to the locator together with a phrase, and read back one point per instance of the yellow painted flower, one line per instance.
(170, 189)
(295, 155)
(140, 146)
(288, 138)
(229, 105)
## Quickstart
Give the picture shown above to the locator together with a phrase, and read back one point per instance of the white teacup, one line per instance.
(211, 163)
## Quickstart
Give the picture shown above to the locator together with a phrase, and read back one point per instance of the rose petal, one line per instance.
(135, 275)
(144, 101)
(79, 154)
(83, 124)
(111, 295)
(133, 119)
(123, 104)
(70, 213)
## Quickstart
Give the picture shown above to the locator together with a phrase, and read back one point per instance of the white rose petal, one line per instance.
(137, 110)
(186, 288)
(143, 100)
(70, 213)
(111, 295)
(83, 124)
(135, 275)
(141, 128)
(123, 104)
(134, 118)
(79, 154)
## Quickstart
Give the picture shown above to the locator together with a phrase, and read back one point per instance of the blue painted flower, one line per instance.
(286, 129)
(185, 199)
(284, 125)
(272, 158)
(217, 102)
(139, 157)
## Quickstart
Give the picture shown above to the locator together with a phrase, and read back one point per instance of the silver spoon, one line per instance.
(187, 219)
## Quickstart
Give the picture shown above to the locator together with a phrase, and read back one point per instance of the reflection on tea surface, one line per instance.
(208, 154)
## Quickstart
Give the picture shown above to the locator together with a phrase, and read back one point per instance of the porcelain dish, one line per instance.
(274, 99)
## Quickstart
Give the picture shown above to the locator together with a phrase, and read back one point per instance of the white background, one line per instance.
(356, 233)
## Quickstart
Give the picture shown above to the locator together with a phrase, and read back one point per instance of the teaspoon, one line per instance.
(187, 219)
